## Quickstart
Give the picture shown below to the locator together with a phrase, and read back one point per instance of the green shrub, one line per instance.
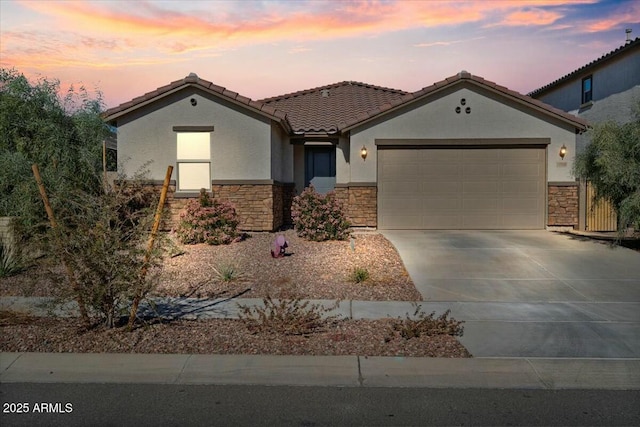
(359, 275)
(319, 217)
(10, 260)
(422, 324)
(227, 272)
(209, 221)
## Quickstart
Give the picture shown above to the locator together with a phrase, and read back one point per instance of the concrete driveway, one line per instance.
(529, 293)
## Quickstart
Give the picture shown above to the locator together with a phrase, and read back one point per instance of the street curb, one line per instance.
(333, 371)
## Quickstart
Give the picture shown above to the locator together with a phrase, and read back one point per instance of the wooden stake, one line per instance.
(104, 166)
(147, 256)
(54, 224)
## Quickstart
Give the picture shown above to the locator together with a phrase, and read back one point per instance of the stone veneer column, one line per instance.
(563, 204)
(360, 203)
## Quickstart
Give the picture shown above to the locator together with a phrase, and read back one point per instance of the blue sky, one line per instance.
(267, 48)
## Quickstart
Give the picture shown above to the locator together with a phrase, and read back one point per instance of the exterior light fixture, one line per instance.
(563, 151)
(363, 152)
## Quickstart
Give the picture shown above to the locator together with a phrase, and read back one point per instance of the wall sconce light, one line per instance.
(363, 152)
(563, 151)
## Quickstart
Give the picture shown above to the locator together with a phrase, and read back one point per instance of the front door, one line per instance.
(320, 168)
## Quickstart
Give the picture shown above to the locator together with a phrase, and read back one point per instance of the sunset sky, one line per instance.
(267, 48)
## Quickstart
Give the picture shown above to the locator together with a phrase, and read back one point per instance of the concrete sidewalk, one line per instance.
(334, 371)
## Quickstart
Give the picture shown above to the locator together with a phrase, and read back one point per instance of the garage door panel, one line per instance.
(481, 170)
(462, 188)
(477, 187)
(520, 205)
(440, 171)
(442, 204)
(441, 222)
(475, 203)
(475, 156)
(521, 187)
(402, 187)
(441, 187)
(521, 170)
(437, 156)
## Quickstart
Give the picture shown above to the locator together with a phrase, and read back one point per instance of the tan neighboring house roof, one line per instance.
(193, 80)
(464, 77)
(591, 65)
(321, 110)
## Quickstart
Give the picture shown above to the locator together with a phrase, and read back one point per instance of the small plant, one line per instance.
(286, 316)
(209, 221)
(11, 262)
(227, 272)
(422, 324)
(319, 217)
(359, 275)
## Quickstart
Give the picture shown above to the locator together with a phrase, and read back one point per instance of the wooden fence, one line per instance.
(600, 215)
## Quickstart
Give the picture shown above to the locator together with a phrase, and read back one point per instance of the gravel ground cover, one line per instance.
(21, 333)
(311, 270)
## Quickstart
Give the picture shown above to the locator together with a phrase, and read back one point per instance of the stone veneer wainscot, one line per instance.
(563, 204)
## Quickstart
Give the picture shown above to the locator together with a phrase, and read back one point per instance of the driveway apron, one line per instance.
(529, 293)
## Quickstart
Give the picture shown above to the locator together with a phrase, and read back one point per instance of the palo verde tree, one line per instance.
(611, 162)
(63, 135)
(101, 231)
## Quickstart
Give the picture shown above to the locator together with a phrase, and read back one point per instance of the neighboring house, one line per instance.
(607, 89)
(463, 153)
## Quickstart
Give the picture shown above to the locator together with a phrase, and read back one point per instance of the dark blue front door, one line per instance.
(320, 168)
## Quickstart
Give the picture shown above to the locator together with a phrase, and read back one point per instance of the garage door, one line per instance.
(461, 188)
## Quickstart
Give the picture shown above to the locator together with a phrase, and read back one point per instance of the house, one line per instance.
(463, 153)
(606, 89)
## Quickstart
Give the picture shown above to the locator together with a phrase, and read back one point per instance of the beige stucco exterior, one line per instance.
(244, 145)
(490, 117)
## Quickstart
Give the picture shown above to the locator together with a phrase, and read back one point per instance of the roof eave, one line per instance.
(252, 106)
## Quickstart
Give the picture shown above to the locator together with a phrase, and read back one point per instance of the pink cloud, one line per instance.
(621, 17)
(531, 17)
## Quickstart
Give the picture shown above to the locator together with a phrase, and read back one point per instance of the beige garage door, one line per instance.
(461, 188)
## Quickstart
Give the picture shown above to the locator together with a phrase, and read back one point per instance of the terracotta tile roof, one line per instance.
(460, 78)
(634, 44)
(193, 80)
(322, 109)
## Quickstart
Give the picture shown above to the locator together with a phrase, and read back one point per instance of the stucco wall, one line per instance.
(281, 155)
(240, 142)
(490, 117)
(615, 76)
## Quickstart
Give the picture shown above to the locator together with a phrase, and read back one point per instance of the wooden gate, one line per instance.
(600, 215)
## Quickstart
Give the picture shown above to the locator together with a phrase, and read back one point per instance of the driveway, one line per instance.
(529, 293)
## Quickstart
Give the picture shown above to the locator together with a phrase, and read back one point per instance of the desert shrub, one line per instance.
(11, 261)
(227, 271)
(286, 316)
(104, 243)
(209, 221)
(359, 275)
(319, 217)
(427, 324)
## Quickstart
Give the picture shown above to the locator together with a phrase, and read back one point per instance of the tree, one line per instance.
(63, 135)
(611, 162)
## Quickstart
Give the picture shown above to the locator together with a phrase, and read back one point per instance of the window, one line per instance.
(587, 90)
(194, 161)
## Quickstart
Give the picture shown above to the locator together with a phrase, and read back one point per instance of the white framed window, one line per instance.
(193, 157)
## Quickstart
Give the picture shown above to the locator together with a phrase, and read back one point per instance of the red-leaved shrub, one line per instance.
(209, 221)
(319, 217)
